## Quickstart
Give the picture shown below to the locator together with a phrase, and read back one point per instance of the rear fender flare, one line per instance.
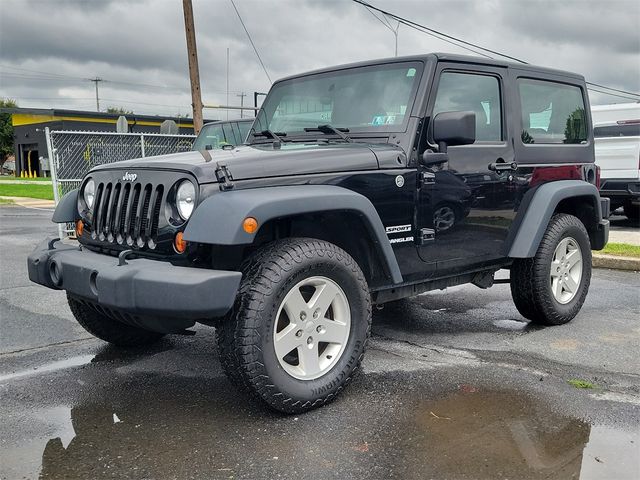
(537, 208)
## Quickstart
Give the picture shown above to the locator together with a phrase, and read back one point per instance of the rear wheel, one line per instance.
(551, 287)
(299, 327)
(110, 330)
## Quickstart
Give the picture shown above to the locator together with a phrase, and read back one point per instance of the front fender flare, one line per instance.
(537, 208)
(67, 209)
(218, 219)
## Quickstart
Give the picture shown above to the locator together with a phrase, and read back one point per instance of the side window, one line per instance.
(236, 133)
(476, 93)
(551, 112)
(244, 130)
(228, 134)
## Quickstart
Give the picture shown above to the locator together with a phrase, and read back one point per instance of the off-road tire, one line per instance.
(110, 330)
(530, 277)
(245, 335)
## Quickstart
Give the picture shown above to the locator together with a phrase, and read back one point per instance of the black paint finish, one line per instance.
(483, 184)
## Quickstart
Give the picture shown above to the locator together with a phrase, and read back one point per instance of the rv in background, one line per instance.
(616, 129)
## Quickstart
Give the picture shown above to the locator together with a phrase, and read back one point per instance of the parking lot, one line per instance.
(454, 386)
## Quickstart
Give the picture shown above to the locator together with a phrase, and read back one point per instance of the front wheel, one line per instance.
(299, 327)
(551, 287)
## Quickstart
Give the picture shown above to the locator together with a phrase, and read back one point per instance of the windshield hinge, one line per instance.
(427, 235)
(426, 178)
(224, 177)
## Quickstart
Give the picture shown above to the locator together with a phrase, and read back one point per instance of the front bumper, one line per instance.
(140, 287)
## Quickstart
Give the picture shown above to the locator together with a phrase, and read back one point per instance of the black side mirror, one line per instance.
(431, 158)
(454, 128)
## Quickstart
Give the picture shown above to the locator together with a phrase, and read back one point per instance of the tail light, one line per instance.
(598, 177)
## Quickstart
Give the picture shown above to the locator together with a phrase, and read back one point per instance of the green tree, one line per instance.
(119, 110)
(575, 130)
(6, 130)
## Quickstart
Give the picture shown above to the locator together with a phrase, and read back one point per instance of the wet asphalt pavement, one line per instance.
(455, 385)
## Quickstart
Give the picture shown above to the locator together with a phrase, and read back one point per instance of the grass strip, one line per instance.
(44, 192)
(621, 249)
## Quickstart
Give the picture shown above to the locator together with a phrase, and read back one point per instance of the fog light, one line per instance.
(250, 225)
(79, 228)
(55, 274)
(180, 244)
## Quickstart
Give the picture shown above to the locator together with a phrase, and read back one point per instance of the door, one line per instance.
(470, 204)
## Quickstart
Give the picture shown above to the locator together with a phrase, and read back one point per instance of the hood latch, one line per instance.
(224, 177)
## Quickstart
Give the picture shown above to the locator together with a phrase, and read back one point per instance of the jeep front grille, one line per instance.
(127, 213)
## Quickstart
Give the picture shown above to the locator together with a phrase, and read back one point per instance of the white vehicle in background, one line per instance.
(616, 129)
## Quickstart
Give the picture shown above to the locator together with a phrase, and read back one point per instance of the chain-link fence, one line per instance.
(73, 154)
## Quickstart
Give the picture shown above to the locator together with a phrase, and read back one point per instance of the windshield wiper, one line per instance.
(328, 130)
(271, 134)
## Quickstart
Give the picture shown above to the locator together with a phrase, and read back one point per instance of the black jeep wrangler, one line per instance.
(358, 185)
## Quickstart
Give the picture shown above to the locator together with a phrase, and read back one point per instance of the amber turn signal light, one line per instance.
(250, 225)
(79, 228)
(179, 243)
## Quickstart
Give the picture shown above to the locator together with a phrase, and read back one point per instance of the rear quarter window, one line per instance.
(552, 113)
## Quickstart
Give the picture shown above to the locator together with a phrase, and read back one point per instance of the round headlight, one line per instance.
(185, 199)
(89, 193)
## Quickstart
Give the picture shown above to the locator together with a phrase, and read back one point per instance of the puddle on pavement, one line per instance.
(202, 431)
(49, 367)
(478, 434)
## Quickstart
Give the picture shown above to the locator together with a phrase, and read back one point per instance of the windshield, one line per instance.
(211, 137)
(216, 135)
(374, 98)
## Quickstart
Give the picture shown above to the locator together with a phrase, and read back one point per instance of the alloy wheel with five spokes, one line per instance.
(566, 270)
(312, 328)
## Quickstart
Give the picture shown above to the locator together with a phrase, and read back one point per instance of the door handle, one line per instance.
(502, 166)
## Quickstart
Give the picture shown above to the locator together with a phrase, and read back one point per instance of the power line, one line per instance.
(591, 89)
(614, 89)
(54, 76)
(250, 40)
(451, 39)
(425, 30)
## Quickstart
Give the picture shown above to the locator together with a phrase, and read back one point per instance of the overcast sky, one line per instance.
(49, 48)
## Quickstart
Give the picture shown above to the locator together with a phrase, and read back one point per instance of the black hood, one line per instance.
(262, 161)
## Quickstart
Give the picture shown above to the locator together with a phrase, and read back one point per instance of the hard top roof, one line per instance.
(438, 56)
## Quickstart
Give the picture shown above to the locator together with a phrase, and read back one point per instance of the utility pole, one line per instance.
(227, 81)
(96, 81)
(194, 72)
(242, 95)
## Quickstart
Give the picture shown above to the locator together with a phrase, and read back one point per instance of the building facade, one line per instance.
(29, 131)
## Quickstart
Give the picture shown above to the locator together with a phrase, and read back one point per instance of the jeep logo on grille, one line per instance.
(129, 177)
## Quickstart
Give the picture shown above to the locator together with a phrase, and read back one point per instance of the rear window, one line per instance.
(629, 130)
(552, 113)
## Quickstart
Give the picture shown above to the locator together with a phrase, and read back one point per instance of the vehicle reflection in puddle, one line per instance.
(469, 433)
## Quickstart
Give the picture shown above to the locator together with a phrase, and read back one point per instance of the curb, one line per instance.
(30, 202)
(616, 262)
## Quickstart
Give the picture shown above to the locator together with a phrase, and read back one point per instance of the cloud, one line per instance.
(138, 47)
